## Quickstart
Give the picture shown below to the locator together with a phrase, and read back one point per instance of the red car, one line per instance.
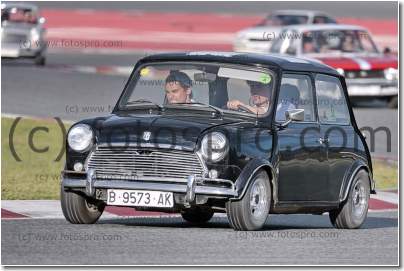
(351, 51)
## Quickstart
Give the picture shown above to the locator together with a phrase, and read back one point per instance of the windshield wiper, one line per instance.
(217, 110)
(144, 101)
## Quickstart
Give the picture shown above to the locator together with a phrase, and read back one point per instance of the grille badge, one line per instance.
(146, 135)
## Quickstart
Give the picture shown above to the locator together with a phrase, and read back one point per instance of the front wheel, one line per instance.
(393, 102)
(353, 212)
(40, 60)
(79, 210)
(250, 213)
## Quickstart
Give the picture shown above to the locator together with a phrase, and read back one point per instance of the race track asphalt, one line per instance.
(286, 239)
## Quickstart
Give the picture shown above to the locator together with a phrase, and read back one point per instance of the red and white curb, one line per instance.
(46, 209)
(101, 70)
(42, 209)
(104, 70)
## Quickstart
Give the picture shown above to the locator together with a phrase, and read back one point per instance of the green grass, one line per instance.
(37, 176)
(385, 174)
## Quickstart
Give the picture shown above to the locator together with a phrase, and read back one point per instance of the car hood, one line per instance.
(360, 61)
(173, 131)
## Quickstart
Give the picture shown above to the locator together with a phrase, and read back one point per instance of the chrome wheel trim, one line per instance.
(359, 200)
(258, 200)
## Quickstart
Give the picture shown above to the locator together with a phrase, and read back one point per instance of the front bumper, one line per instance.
(215, 188)
(19, 51)
(372, 87)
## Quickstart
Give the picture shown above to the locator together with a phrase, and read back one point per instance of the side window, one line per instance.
(323, 20)
(331, 103)
(366, 42)
(296, 92)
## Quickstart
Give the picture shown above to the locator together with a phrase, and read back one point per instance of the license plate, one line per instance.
(139, 198)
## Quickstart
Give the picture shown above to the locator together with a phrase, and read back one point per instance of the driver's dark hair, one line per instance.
(180, 77)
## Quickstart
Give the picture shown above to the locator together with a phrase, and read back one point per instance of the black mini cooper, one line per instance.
(205, 132)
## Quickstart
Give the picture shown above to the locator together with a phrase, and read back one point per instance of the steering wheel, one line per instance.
(245, 109)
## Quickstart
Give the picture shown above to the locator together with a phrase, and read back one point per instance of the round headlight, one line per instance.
(390, 74)
(80, 137)
(214, 146)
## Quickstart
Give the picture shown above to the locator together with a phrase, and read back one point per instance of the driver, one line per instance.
(178, 88)
(259, 99)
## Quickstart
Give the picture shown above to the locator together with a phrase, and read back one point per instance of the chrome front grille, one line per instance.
(14, 38)
(130, 163)
(364, 74)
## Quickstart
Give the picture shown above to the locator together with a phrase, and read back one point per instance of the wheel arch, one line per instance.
(350, 175)
(245, 177)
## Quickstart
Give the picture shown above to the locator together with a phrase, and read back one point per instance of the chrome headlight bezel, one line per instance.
(80, 137)
(214, 146)
(391, 74)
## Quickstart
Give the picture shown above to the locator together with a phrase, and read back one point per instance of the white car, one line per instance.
(259, 38)
(22, 32)
(350, 50)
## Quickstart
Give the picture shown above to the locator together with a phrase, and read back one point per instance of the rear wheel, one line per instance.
(79, 210)
(251, 212)
(197, 215)
(353, 212)
(40, 60)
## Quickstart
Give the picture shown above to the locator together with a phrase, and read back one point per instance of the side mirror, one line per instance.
(293, 115)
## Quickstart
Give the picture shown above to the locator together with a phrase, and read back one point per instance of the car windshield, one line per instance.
(284, 19)
(18, 15)
(222, 88)
(325, 42)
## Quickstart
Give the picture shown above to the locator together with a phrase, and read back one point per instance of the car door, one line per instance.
(303, 171)
(337, 133)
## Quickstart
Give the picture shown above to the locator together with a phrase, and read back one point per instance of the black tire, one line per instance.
(197, 215)
(352, 213)
(40, 60)
(241, 214)
(393, 103)
(78, 210)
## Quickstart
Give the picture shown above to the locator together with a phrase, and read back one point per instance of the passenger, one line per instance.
(288, 99)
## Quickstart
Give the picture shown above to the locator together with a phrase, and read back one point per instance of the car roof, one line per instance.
(252, 59)
(316, 27)
(19, 5)
(300, 12)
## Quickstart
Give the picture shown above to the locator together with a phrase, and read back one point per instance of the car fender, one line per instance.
(244, 179)
(349, 177)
